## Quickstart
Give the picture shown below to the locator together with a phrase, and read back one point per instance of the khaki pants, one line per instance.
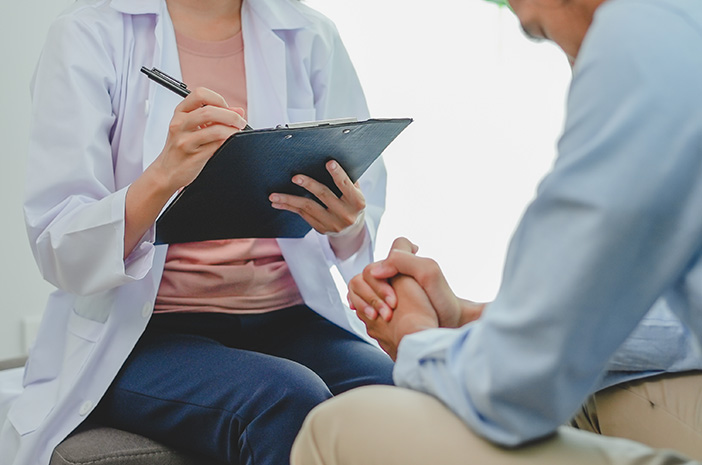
(383, 425)
(664, 412)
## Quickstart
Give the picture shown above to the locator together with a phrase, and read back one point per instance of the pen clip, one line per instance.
(168, 78)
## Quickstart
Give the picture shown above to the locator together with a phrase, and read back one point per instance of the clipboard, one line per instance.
(229, 198)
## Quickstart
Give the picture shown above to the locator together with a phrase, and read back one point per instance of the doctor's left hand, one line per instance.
(341, 220)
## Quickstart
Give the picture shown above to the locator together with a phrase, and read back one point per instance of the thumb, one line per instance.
(405, 245)
(385, 269)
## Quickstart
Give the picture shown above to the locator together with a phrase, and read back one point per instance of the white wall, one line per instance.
(488, 107)
(487, 103)
(23, 26)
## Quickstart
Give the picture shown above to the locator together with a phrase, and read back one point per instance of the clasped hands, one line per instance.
(404, 294)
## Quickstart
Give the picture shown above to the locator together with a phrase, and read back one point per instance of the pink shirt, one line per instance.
(225, 276)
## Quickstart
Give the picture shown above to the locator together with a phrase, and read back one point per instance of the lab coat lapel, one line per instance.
(265, 62)
(165, 59)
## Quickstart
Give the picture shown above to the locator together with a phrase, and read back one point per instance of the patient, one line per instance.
(613, 235)
(649, 392)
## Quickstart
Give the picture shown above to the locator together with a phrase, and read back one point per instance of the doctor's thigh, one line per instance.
(383, 425)
(663, 411)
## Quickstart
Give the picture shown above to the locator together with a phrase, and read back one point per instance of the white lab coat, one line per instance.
(97, 123)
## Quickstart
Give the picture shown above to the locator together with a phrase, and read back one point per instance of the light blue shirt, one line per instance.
(614, 231)
(659, 344)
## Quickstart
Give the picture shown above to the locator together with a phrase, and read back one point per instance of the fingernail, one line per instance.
(333, 165)
(370, 313)
(385, 312)
(390, 300)
(297, 180)
(274, 198)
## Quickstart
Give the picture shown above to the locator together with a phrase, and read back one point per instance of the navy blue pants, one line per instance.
(236, 388)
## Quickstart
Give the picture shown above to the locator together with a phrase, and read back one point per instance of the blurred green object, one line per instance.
(499, 2)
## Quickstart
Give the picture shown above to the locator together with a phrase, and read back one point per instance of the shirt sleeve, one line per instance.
(660, 342)
(613, 227)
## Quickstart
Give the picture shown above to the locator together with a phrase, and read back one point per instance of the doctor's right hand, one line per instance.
(200, 124)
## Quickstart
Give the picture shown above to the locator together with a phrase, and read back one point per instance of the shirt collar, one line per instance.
(277, 14)
(138, 7)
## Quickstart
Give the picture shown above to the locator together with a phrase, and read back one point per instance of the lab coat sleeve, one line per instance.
(338, 94)
(74, 212)
(612, 228)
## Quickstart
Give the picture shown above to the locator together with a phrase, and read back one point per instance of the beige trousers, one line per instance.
(663, 412)
(383, 425)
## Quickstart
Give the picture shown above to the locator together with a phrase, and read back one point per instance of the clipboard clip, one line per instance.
(314, 124)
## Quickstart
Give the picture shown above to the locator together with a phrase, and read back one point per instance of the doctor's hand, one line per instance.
(340, 218)
(200, 124)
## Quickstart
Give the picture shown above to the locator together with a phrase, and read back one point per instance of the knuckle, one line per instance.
(174, 126)
(199, 92)
(182, 144)
(308, 207)
(431, 266)
(354, 282)
(430, 270)
(319, 192)
(207, 112)
(347, 219)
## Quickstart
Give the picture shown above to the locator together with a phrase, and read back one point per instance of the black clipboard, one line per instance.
(229, 198)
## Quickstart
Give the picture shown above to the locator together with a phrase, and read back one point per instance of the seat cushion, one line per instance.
(109, 446)
(98, 445)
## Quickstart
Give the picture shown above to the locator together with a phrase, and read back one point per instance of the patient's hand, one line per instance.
(372, 292)
(375, 296)
(414, 312)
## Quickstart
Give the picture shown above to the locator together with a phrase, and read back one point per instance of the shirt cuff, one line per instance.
(348, 241)
(416, 349)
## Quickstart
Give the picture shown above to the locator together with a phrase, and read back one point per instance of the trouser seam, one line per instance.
(661, 408)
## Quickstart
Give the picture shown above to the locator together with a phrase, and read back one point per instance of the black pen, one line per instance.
(172, 84)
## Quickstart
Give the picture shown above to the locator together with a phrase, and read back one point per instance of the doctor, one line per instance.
(222, 347)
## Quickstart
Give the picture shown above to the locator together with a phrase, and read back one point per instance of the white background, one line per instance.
(487, 106)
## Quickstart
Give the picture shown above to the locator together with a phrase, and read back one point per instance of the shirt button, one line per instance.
(85, 408)
(146, 310)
